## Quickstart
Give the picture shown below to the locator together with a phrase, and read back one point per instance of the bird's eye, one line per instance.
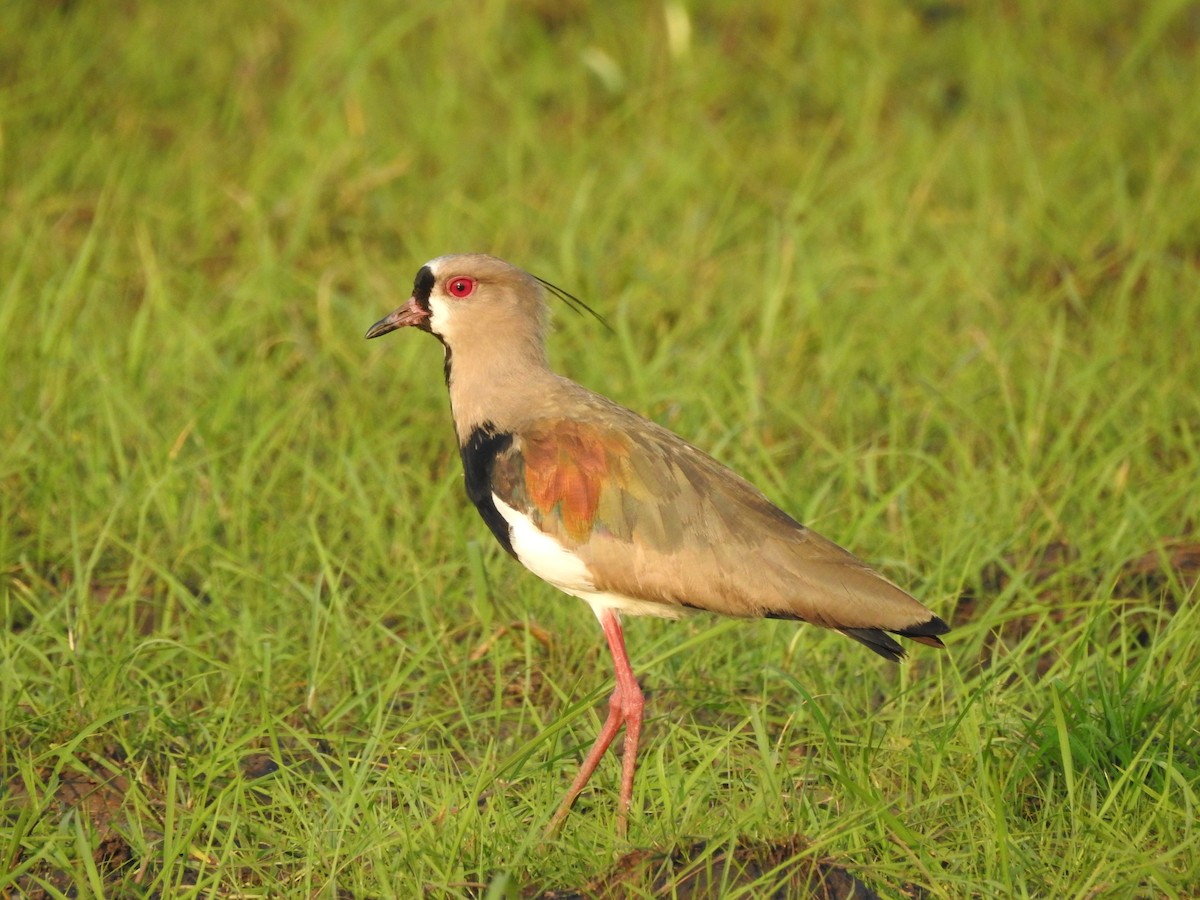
(461, 286)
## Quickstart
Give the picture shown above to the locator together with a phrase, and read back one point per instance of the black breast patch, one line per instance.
(478, 458)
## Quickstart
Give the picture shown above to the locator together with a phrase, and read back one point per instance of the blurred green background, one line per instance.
(928, 273)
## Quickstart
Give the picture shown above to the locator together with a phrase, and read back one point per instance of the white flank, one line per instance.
(600, 601)
(542, 555)
(550, 561)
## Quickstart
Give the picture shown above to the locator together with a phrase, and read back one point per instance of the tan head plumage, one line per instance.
(491, 317)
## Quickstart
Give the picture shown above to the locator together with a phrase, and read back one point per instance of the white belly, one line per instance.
(550, 561)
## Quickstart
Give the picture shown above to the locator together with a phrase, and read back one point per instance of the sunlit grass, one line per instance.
(928, 275)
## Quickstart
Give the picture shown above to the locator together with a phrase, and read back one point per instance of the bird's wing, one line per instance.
(655, 519)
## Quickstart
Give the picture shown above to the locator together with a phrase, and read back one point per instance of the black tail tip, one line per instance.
(877, 639)
(927, 632)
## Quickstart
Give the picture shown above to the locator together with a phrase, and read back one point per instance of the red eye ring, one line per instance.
(460, 286)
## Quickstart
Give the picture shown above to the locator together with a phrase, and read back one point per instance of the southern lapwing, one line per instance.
(616, 510)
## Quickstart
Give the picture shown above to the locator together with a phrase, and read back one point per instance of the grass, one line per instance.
(928, 274)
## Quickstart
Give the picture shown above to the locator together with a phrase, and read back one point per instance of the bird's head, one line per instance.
(472, 299)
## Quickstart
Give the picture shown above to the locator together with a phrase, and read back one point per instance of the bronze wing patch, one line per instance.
(576, 478)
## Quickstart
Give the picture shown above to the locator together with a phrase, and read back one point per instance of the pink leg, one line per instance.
(625, 707)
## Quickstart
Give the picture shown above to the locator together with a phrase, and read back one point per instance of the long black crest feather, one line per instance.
(577, 305)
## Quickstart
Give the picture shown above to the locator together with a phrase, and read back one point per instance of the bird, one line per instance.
(616, 510)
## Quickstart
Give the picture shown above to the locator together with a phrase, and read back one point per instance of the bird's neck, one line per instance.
(494, 386)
